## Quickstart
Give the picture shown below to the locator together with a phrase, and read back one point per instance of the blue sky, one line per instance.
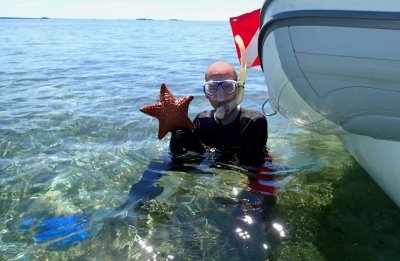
(129, 9)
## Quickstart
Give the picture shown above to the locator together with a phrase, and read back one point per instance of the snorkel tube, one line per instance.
(243, 66)
(223, 109)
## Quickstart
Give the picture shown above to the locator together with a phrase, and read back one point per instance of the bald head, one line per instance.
(220, 71)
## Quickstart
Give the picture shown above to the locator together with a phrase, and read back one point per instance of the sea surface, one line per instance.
(73, 142)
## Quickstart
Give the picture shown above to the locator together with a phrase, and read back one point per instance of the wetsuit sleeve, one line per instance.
(174, 144)
(183, 140)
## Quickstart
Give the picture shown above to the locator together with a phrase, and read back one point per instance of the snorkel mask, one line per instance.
(221, 90)
(221, 93)
(221, 97)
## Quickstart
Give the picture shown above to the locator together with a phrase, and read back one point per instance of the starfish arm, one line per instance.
(184, 102)
(155, 110)
(165, 95)
(163, 128)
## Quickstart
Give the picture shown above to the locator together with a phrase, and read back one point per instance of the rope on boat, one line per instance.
(263, 110)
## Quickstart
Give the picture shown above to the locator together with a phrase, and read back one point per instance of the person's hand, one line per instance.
(187, 140)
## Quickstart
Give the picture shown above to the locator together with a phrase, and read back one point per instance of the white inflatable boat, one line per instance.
(333, 67)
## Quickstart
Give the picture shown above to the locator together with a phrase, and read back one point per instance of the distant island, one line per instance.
(44, 17)
(173, 19)
(144, 19)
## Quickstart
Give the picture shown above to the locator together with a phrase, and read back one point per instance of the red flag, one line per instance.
(247, 26)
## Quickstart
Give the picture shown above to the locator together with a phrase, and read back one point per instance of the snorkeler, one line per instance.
(229, 128)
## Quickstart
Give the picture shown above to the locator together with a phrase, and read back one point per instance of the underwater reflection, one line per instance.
(243, 221)
(216, 209)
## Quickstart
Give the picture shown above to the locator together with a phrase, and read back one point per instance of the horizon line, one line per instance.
(135, 19)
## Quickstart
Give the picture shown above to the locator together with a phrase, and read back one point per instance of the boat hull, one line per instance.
(333, 68)
(380, 158)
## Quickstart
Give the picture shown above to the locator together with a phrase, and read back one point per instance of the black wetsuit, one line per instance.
(244, 134)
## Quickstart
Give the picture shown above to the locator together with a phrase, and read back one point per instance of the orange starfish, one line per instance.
(170, 112)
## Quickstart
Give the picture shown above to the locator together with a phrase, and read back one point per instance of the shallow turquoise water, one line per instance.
(73, 142)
